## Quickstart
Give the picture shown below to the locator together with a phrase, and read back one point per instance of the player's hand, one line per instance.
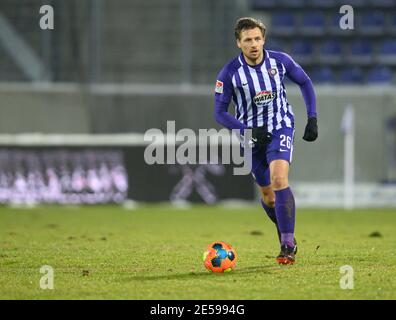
(311, 130)
(260, 136)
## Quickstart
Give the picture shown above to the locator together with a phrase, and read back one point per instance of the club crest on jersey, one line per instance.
(272, 72)
(264, 97)
(219, 86)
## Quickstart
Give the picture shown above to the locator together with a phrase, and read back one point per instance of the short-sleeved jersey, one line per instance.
(258, 92)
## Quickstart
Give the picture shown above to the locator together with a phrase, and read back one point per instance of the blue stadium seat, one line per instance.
(263, 4)
(283, 23)
(331, 47)
(322, 75)
(321, 3)
(352, 75)
(313, 23)
(360, 51)
(302, 51)
(292, 3)
(387, 52)
(276, 45)
(388, 47)
(353, 3)
(380, 75)
(383, 3)
(392, 26)
(372, 23)
(330, 52)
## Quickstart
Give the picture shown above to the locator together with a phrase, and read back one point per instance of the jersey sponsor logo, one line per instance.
(219, 86)
(264, 97)
(272, 72)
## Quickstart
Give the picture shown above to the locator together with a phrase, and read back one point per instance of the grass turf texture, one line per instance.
(156, 253)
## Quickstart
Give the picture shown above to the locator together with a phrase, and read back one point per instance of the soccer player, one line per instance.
(254, 82)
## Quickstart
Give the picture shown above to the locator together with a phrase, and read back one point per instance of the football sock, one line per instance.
(270, 211)
(285, 215)
(272, 215)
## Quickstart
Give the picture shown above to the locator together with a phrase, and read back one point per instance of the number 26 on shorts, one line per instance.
(285, 141)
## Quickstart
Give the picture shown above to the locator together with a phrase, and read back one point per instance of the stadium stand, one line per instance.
(330, 52)
(321, 3)
(276, 45)
(312, 34)
(360, 52)
(380, 75)
(387, 52)
(383, 3)
(392, 25)
(352, 75)
(313, 23)
(283, 23)
(308, 29)
(372, 23)
(322, 75)
(302, 51)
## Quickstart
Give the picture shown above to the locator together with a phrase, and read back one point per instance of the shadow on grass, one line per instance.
(196, 275)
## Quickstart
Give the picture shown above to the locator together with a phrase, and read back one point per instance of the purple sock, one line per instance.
(272, 215)
(285, 215)
(270, 211)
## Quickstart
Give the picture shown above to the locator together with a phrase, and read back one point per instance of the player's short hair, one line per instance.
(247, 23)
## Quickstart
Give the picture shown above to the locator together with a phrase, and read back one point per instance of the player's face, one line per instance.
(251, 43)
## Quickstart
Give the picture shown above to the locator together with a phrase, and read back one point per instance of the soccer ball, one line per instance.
(220, 257)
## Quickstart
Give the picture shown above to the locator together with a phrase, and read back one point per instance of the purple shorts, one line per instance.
(281, 147)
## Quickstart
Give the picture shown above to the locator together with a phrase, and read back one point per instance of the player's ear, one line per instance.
(238, 43)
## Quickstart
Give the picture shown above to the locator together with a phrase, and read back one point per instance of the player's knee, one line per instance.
(268, 198)
(279, 181)
(270, 202)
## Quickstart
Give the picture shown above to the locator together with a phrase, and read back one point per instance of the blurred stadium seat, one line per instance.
(352, 75)
(321, 3)
(360, 51)
(330, 52)
(275, 45)
(322, 75)
(263, 4)
(383, 3)
(372, 23)
(283, 23)
(302, 51)
(380, 75)
(392, 24)
(313, 23)
(353, 3)
(293, 3)
(387, 52)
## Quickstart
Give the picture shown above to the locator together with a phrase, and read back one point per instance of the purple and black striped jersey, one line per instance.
(259, 94)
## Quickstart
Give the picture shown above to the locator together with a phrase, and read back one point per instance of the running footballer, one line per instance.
(254, 82)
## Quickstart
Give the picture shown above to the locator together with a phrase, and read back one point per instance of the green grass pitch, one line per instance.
(154, 252)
